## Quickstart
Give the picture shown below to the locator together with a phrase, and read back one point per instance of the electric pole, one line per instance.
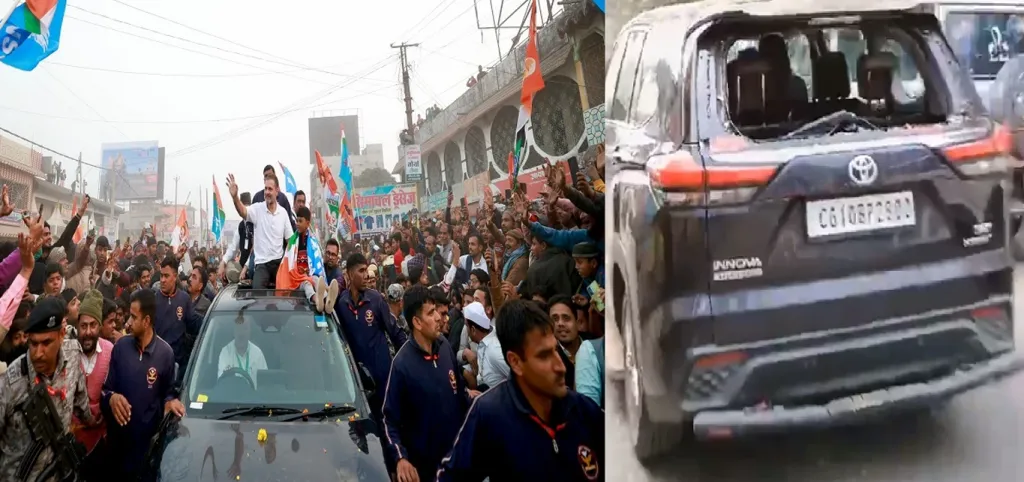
(404, 58)
(176, 193)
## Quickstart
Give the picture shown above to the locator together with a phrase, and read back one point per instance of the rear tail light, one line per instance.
(983, 156)
(680, 179)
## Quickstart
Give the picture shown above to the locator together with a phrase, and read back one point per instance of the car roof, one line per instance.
(695, 12)
(233, 299)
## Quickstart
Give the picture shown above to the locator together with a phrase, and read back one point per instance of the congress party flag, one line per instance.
(533, 82)
(31, 33)
(180, 234)
(289, 182)
(298, 266)
(218, 212)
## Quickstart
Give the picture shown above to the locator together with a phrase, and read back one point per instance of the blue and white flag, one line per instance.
(31, 33)
(289, 182)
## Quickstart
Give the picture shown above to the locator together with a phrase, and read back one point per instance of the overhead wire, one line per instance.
(211, 46)
(195, 121)
(174, 74)
(223, 39)
(302, 102)
(200, 52)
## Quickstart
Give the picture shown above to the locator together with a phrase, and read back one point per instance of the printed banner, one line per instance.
(474, 186)
(413, 166)
(534, 180)
(379, 208)
(435, 202)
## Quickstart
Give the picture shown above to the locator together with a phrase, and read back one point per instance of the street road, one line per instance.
(978, 436)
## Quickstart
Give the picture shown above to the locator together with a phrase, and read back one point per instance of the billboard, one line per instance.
(325, 136)
(379, 208)
(133, 171)
(413, 166)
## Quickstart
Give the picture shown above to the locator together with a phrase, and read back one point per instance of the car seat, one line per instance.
(748, 83)
(875, 75)
(831, 85)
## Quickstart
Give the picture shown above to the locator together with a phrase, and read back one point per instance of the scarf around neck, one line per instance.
(511, 260)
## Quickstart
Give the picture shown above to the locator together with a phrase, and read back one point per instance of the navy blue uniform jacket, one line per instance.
(368, 325)
(424, 403)
(176, 316)
(502, 438)
(146, 379)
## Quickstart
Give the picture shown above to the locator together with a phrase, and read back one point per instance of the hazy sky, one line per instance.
(107, 83)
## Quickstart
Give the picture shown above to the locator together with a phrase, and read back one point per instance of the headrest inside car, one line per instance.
(747, 83)
(875, 74)
(831, 78)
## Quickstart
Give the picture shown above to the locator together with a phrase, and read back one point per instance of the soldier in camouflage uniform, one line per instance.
(67, 381)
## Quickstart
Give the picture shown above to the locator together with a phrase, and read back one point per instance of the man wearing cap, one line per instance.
(488, 361)
(95, 362)
(418, 435)
(395, 294)
(52, 360)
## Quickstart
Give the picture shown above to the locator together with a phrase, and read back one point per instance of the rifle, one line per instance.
(47, 430)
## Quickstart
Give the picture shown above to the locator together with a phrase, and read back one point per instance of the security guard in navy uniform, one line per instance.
(51, 359)
(555, 435)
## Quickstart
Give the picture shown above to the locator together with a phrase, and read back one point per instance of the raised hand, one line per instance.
(85, 204)
(35, 226)
(232, 186)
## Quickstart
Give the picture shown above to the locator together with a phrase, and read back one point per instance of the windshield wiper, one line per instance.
(326, 412)
(257, 410)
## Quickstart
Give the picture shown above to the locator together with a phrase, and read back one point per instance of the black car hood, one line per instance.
(198, 449)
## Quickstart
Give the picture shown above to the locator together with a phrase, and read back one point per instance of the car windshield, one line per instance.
(792, 79)
(269, 358)
(984, 41)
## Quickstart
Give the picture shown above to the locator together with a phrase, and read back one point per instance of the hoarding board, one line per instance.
(379, 208)
(413, 165)
(134, 170)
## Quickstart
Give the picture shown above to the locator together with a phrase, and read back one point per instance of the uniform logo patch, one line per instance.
(369, 317)
(151, 376)
(451, 379)
(588, 462)
(181, 313)
(52, 322)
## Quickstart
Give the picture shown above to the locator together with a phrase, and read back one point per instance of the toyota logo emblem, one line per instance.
(863, 170)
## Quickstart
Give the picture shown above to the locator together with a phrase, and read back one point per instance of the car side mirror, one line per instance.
(369, 385)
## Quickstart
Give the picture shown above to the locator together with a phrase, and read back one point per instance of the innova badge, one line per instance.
(863, 170)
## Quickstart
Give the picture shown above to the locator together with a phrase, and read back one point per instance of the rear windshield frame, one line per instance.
(713, 121)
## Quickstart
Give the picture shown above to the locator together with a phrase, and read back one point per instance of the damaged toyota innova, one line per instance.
(810, 223)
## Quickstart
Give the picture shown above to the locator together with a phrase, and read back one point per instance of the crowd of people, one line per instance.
(481, 325)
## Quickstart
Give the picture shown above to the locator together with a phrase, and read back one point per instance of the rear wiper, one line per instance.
(326, 412)
(257, 410)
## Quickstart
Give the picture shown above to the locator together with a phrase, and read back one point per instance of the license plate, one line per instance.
(831, 217)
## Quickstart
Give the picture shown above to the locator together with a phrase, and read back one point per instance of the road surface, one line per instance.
(978, 436)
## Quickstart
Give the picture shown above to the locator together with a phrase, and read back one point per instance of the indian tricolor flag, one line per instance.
(533, 82)
(218, 212)
(300, 265)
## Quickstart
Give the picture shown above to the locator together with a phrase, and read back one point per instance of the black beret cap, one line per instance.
(47, 316)
(586, 249)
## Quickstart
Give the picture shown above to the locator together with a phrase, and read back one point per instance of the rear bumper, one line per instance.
(853, 409)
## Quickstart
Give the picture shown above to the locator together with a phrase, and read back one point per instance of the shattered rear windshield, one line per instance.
(806, 81)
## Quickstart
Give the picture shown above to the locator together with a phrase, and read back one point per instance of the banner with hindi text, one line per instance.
(379, 208)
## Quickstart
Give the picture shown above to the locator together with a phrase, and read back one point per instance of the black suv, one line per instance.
(271, 393)
(809, 218)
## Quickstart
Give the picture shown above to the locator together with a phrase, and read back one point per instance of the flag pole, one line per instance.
(10, 12)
